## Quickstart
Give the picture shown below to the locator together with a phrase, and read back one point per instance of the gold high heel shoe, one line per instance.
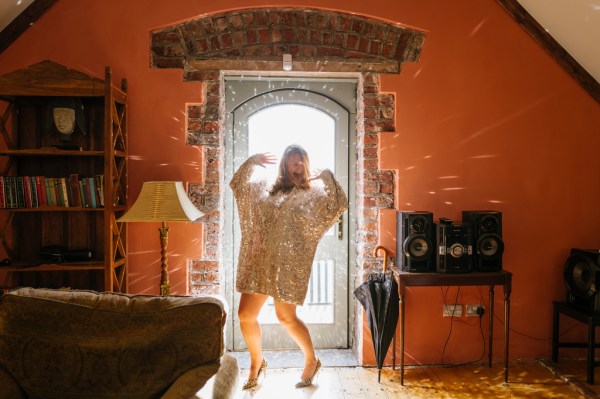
(304, 382)
(252, 382)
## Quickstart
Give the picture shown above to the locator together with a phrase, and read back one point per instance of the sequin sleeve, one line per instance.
(337, 202)
(246, 195)
(240, 181)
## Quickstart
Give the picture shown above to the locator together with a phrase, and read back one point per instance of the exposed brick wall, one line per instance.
(266, 34)
(254, 40)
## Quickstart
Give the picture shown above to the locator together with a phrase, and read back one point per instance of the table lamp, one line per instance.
(162, 201)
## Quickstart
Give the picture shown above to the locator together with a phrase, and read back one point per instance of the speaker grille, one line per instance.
(415, 241)
(581, 274)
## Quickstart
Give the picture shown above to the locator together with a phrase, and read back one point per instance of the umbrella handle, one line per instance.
(377, 248)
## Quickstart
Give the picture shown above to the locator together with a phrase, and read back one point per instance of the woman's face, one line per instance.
(295, 168)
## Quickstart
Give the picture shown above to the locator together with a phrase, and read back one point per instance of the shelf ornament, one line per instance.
(64, 114)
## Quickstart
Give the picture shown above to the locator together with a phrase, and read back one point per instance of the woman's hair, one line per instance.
(283, 182)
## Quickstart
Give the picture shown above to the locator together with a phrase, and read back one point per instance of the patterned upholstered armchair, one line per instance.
(84, 344)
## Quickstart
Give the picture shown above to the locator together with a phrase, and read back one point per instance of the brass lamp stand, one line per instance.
(162, 201)
(165, 286)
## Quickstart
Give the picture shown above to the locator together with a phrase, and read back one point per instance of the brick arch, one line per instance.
(319, 41)
(265, 34)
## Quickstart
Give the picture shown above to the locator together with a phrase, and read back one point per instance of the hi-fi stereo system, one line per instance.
(474, 245)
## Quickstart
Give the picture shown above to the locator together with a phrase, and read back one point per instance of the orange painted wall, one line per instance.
(486, 119)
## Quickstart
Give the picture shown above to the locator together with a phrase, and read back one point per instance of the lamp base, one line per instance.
(165, 288)
(164, 268)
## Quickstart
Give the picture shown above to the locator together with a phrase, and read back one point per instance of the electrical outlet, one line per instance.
(452, 310)
(474, 310)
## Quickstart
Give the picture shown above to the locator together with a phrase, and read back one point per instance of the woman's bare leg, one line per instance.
(286, 313)
(250, 305)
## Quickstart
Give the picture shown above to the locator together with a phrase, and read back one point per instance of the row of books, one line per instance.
(37, 191)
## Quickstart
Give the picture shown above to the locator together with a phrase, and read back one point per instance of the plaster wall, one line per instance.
(485, 120)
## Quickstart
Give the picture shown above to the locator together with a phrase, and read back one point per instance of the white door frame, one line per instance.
(325, 87)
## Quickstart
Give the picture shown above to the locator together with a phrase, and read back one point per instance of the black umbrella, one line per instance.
(379, 297)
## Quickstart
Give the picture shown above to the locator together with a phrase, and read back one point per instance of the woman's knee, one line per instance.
(245, 315)
(249, 307)
(286, 316)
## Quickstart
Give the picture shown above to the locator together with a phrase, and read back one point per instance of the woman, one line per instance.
(281, 228)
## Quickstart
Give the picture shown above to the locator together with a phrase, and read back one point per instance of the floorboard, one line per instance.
(527, 379)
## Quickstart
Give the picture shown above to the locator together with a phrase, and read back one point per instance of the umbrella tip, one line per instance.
(379, 376)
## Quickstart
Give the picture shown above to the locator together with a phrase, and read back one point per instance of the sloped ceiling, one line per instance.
(10, 9)
(575, 24)
(571, 25)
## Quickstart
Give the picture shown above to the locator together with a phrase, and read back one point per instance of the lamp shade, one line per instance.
(162, 201)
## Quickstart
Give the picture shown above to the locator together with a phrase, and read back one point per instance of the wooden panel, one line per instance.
(49, 79)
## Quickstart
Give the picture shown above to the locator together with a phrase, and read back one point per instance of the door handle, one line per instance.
(341, 227)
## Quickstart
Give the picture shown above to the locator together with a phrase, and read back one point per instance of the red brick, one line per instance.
(329, 52)
(193, 125)
(351, 41)
(363, 45)
(315, 37)
(214, 43)
(276, 35)
(375, 47)
(251, 37)
(289, 34)
(238, 38)
(194, 111)
(264, 35)
(221, 24)
(236, 21)
(166, 37)
(162, 62)
(248, 18)
(386, 188)
(226, 40)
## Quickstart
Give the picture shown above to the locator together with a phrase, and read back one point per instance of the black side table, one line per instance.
(585, 316)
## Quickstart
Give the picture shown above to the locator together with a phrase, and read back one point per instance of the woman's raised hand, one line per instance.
(265, 159)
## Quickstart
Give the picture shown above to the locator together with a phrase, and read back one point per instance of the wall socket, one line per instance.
(452, 310)
(473, 310)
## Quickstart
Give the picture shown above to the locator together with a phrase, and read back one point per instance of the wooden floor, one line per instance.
(531, 379)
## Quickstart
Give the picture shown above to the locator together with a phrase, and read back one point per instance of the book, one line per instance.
(35, 201)
(10, 189)
(93, 192)
(82, 194)
(64, 191)
(27, 191)
(86, 192)
(41, 183)
(2, 193)
(100, 189)
(74, 189)
(51, 192)
(20, 189)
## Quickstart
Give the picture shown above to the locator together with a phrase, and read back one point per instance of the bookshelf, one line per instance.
(32, 148)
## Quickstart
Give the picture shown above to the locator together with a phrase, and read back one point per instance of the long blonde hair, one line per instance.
(283, 182)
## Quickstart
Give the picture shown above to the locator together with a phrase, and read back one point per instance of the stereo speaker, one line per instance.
(455, 248)
(582, 278)
(415, 241)
(487, 238)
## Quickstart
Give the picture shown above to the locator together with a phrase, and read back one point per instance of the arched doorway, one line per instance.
(265, 115)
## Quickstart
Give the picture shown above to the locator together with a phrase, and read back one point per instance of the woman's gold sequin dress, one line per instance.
(280, 233)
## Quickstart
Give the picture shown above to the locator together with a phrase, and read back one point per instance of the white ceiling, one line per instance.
(574, 24)
(10, 9)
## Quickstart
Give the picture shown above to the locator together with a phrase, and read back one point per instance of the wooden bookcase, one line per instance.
(98, 148)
